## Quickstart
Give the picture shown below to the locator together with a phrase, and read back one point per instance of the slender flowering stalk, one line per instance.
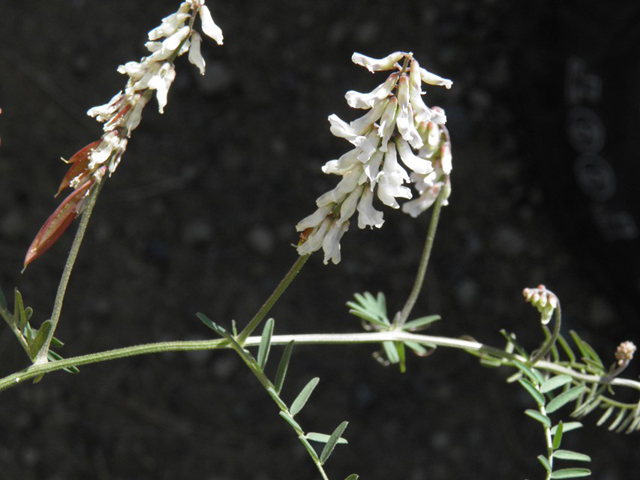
(153, 73)
(399, 141)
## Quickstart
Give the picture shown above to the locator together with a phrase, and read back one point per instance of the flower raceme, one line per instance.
(154, 73)
(399, 141)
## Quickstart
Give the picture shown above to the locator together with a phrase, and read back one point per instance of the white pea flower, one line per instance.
(398, 127)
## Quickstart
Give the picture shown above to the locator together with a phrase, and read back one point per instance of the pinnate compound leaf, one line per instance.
(281, 373)
(323, 438)
(557, 436)
(536, 415)
(332, 442)
(554, 382)
(420, 323)
(41, 336)
(301, 400)
(564, 398)
(569, 455)
(265, 343)
(571, 473)
(528, 386)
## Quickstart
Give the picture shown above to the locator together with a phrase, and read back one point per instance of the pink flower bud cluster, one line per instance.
(544, 300)
(399, 141)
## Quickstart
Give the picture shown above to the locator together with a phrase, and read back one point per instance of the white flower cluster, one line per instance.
(398, 124)
(155, 72)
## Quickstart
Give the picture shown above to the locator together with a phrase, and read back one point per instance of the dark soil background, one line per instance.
(200, 217)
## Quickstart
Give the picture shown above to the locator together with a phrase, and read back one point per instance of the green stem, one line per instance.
(66, 273)
(424, 262)
(273, 298)
(307, 339)
(551, 341)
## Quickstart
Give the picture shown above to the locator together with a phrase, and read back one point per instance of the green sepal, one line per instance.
(281, 373)
(332, 442)
(301, 400)
(564, 398)
(265, 343)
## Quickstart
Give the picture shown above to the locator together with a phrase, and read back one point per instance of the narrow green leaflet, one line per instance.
(401, 356)
(528, 386)
(571, 473)
(555, 382)
(281, 373)
(567, 427)
(289, 419)
(569, 455)
(301, 400)
(38, 342)
(265, 343)
(370, 308)
(209, 323)
(536, 415)
(323, 438)
(511, 338)
(332, 442)
(557, 436)
(605, 416)
(18, 311)
(567, 349)
(564, 398)
(353, 476)
(618, 419)
(420, 323)
(391, 351)
(3, 300)
(53, 357)
(534, 375)
(545, 462)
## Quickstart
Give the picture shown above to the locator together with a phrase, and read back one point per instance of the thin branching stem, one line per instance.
(273, 298)
(307, 339)
(68, 268)
(424, 262)
(551, 341)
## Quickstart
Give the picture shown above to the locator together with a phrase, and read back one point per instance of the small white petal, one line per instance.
(341, 129)
(422, 112)
(438, 116)
(412, 161)
(343, 164)
(161, 84)
(446, 159)
(368, 216)
(367, 145)
(209, 27)
(368, 100)
(348, 207)
(388, 123)
(314, 219)
(377, 64)
(364, 123)
(169, 26)
(389, 190)
(331, 242)
(407, 127)
(195, 56)
(372, 168)
(392, 169)
(422, 203)
(348, 183)
(432, 79)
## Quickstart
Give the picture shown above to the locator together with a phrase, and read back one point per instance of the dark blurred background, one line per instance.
(544, 117)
